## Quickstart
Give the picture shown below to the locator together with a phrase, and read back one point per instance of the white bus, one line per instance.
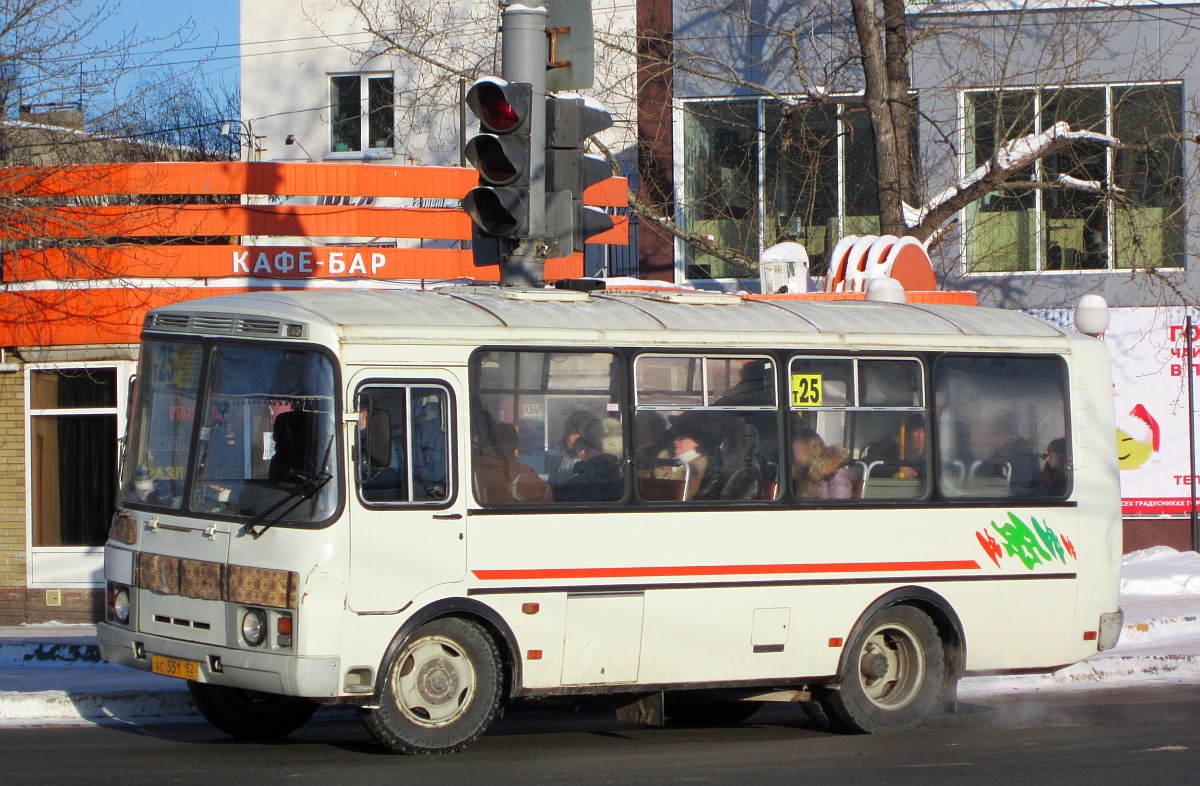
(433, 504)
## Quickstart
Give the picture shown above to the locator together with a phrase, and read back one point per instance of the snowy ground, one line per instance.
(49, 673)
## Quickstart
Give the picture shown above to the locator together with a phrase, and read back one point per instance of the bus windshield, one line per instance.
(231, 430)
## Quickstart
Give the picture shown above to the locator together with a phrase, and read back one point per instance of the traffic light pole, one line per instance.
(524, 55)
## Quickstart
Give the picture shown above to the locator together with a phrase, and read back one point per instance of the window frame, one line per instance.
(846, 104)
(1063, 378)
(448, 418)
(69, 567)
(854, 405)
(618, 403)
(365, 81)
(1040, 100)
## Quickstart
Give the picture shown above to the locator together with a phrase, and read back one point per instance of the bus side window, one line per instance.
(992, 445)
(401, 448)
(707, 428)
(546, 427)
(858, 429)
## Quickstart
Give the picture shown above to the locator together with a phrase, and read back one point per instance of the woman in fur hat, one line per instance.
(818, 470)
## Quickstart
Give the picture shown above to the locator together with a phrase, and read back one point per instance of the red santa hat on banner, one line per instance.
(1143, 428)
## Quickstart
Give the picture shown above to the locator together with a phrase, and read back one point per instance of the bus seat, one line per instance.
(892, 488)
(858, 477)
(654, 489)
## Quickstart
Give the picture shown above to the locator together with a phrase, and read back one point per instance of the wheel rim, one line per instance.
(433, 681)
(891, 667)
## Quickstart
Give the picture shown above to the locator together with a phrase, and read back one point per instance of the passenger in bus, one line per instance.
(740, 472)
(651, 438)
(596, 477)
(912, 465)
(500, 478)
(569, 447)
(429, 451)
(689, 442)
(1054, 475)
(753, 388)
(818, 470)
(1013, 456)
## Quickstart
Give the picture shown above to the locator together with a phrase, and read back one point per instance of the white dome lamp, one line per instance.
(1091, 315)
(885, 290)
(784, 268)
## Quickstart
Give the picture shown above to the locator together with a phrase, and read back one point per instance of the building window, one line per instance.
(362, 114)
(758, 172)
(72, 455)
(1052, 229)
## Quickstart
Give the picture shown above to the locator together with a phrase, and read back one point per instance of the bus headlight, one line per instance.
(254, 627)
(119, 604)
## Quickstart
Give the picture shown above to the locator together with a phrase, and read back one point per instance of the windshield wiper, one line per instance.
(308, 489)
(305, 491)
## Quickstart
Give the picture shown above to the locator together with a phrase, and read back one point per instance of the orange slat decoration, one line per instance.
(225, 220)
(266, 262)
(262, 177)
(64, 317)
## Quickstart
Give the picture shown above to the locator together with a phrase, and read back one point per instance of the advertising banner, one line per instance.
(1150, 386)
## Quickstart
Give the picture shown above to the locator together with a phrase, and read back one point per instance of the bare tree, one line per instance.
(69, 96)
(879, 90)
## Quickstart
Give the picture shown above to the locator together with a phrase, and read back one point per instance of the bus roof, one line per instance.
(485, 315)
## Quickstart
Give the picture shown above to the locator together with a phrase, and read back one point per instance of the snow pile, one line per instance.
(1161, 572)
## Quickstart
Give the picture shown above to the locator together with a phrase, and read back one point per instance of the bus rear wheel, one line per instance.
(441, 690)
(893, 674)
(249, 714)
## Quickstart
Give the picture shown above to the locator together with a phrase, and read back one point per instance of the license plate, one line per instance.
(174, 667)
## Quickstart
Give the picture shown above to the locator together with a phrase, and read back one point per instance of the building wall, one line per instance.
(12, 499)
(285, 87)
(1131, 45)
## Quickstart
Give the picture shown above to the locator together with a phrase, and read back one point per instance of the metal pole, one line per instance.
(525, 53)
(462, 121)
(1191, 378)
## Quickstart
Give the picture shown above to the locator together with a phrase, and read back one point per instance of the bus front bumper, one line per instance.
(236, 668)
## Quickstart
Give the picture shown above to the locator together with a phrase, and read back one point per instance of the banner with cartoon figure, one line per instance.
(1150, 367)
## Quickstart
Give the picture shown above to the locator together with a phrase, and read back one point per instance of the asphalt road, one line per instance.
(1130, 736)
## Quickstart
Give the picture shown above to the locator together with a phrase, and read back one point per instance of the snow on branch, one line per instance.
(1010, 157)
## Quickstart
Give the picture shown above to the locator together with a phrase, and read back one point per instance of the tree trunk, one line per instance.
(885, 75)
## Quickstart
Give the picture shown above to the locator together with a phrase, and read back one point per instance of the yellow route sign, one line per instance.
(806, 390)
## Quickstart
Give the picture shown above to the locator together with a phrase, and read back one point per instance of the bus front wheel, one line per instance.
(441, 690)
(249, 714)
(892, 675)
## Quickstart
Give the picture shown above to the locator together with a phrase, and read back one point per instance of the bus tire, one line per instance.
(697, 709)
(892, 675)
(441, 690)
(249, 714)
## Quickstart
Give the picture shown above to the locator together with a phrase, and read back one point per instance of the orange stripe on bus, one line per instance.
(669, 571)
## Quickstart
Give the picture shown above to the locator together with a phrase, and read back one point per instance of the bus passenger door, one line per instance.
(406, 512)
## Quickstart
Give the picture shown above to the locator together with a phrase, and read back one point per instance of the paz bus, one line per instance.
(432, 504)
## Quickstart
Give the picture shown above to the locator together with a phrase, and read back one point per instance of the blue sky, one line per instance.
(209, 27)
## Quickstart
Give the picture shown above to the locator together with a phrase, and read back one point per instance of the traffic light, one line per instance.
(570, 120)
(499, 206)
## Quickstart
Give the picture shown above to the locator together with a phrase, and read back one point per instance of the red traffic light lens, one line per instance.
(496, 112)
